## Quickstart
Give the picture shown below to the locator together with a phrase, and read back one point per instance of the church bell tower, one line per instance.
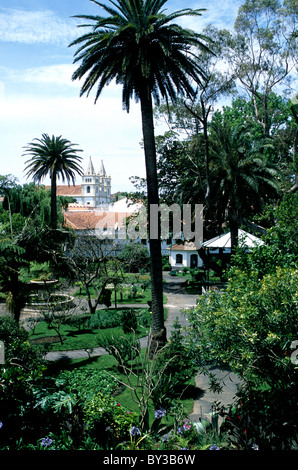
(96, 186)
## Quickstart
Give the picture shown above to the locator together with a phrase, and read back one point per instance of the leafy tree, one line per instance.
(217, 84)
(7, 183)
(54, 156)
(12, 260)
(33, 203)
(137, 45)
(284, 234)
(23, 369)
(262, 50)
(134, 257)
(181, 169)
(9, 221)
(92, 263)
(249, 329)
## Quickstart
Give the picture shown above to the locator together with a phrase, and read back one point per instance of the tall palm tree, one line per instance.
(242, 176)
(137, 45)
(56, 157)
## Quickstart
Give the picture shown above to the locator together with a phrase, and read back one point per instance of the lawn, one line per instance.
(88, 337)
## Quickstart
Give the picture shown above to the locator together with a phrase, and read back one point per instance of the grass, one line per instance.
(123, 295)
(74, 338)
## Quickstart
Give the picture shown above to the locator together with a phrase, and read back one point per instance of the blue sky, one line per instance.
(38, 96)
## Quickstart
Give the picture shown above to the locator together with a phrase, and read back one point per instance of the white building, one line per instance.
(184, 256)
(223, 242)
(95, 190)
(96, 187)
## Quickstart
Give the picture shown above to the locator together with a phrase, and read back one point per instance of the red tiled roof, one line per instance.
(186, 246)
(79, 219)
(65, 190)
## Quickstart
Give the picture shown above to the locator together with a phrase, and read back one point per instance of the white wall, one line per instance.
(186, 259)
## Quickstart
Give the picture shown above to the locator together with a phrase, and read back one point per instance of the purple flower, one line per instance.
(134, 431)
(160, 413)
(187, 426)
(214, 447)
(45, 442)
(1, 424)
(255, 447)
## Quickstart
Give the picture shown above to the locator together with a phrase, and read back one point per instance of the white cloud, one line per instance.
(58, 74)
(222, 15)
(32, 27)
(2, 91)
(52, 74)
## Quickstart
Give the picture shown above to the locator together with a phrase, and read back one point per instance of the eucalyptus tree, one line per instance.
(56, 157)
(140, 47)
(263, 51)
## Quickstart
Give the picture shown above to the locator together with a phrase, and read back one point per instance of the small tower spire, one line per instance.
(102, 170)
(90, 168)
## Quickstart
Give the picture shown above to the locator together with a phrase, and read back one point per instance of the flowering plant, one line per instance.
(134, 439)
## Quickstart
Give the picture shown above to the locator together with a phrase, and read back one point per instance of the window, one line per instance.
(88, 189)
(193, 261)
(179, 259)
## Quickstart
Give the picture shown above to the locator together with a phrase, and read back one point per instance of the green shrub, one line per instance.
(86, 383)
(105, 297)
(105, 319)
(129, 321)
(122, 348)
(249, 328)
(179, 367)
(108, 420)
(22, 370)
(79, 321)
(83, 403)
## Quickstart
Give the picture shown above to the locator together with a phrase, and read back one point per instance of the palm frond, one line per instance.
(138, 42)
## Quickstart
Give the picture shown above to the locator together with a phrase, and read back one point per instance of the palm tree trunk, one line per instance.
(158, 334)
(234, 226)
(53, 201)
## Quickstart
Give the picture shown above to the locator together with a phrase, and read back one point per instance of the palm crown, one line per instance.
(137, 43)
(242, 174)
(52, 156)
(56, 157)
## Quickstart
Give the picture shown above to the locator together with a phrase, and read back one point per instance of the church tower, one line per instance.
(96, 187)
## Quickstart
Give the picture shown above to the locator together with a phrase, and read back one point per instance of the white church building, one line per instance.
(94, 190)
(96, 187)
